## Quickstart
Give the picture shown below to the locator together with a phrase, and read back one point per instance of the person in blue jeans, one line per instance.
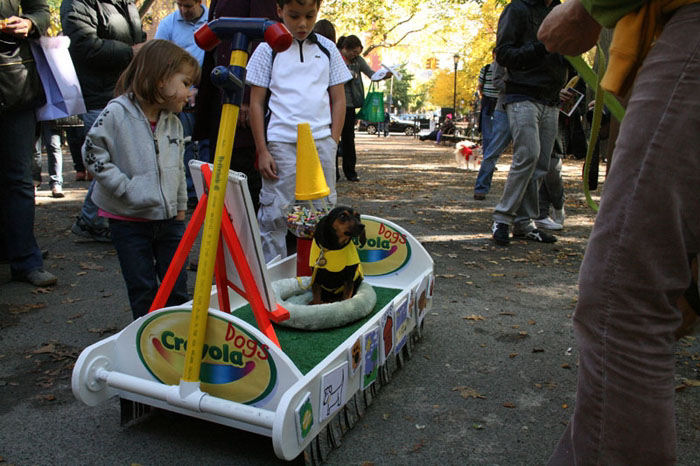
(50, 137)
(17, 128)
(499, 136)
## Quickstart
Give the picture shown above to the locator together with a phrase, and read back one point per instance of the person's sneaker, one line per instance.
(81, 228)
(548, 224)
(479, 196)
(558, 215)
(37, 277)
(57, 191)
(80, 175)
(500, 233)
(537, 236)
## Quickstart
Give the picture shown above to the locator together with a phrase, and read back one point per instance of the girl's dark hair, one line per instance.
(154, 63)
(349, 42)
(325, 28)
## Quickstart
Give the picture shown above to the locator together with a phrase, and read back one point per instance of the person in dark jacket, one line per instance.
(210, 98)
(534, 80)
(104, 35)
(20, 94)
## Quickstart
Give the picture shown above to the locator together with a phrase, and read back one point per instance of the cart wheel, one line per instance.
(358, 405)
(350, 414)
(407, 349)
(367, 396)
(335, 433)
(323, 445)
(310, 454)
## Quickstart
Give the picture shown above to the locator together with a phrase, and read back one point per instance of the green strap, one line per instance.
(593, 79)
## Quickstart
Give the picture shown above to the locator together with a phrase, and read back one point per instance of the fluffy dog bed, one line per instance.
(295, 298)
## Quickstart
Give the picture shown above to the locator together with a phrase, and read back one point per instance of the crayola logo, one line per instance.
(235, 365)
(385, 251)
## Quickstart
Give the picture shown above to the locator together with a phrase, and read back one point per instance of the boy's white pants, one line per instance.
(277, 196)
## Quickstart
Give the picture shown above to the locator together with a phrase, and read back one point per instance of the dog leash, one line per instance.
(320, 261)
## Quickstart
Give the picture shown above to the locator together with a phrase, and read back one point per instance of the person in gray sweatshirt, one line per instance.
(135, 152)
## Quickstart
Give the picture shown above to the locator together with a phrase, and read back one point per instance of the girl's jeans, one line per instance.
(145, 250)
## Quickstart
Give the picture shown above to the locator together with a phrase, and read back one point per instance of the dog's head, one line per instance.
(338, 227)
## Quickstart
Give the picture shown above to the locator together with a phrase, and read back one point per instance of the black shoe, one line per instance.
(500, 233)
(537, 236)
(354, 179)
(479, 196)
(81, 228)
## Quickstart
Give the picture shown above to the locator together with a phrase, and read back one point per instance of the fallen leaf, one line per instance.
(46, 397)
(497, 274)
(447, 275)
(91, 266)
(473, 317)
(50, 348)
(420, 426)
(468, 392)
(565, 366)
(538, 350)
(477, 426)
(81, 273)
(691, 382)
(512, 355)
(42, 290)
(385, 416)
(564, 406)
(508, 404)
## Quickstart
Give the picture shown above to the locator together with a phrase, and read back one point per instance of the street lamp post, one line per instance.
(454, 93)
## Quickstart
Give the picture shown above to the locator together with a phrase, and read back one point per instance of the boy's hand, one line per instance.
(267, 165)
(180, 215)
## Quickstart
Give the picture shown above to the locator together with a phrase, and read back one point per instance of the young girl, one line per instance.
(135, 152)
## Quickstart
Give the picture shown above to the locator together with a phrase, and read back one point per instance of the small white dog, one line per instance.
(468, 155)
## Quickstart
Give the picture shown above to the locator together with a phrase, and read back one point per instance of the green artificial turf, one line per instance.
(307, 348)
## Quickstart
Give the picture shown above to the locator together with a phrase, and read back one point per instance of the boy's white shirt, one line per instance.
(298, 82)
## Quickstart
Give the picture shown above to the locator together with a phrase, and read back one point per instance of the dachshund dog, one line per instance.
(337, 272)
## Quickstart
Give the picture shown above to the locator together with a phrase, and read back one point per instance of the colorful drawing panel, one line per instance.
(402, 321)
(304, 417)
(370, 359)
(333, 388)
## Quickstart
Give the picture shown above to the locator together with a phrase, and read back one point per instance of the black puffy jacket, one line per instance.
(532, 71)
(20, 87)
(101, 34)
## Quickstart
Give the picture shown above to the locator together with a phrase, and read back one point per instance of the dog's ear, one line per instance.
(321, 232)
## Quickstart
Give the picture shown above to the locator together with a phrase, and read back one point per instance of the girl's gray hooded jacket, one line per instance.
(139, 173)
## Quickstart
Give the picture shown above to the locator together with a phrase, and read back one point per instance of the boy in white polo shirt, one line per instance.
(305, 84)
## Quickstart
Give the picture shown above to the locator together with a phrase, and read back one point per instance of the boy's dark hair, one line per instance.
(154, 63)
(325, 28)
(282, 3)
(349, 42)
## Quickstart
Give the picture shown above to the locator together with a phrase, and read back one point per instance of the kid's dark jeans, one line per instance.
(145, 250)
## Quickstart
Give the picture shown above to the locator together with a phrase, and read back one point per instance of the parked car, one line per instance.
(396, 125)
